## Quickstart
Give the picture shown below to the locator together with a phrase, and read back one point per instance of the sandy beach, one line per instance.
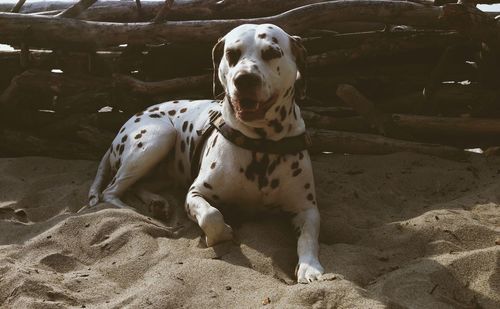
(398, 231)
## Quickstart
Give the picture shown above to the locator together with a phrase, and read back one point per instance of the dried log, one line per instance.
(350, 124)
(376, 44)
(18, 6)
(364, 107)
(126, 11)
(473, 22)
(162, 13)
(446, 130)
(50, 31)
(53, 83)
(161, 87)
(18, 143)
(76, 9)
(449, 99)
(356, 143)
(121, 11)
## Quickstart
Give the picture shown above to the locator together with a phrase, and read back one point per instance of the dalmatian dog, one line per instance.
(261, 70)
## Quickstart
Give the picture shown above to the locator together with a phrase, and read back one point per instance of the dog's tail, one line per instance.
(102, 175)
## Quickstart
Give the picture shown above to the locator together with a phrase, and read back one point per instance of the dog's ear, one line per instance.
(217, 53)
(300, 54)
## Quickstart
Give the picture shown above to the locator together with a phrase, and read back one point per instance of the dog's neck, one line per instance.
(282, 120)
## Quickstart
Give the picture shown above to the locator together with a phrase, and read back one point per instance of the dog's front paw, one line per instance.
(216, 230)
(309, 272)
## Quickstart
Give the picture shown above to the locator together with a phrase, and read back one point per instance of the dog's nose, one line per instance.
(246, 81)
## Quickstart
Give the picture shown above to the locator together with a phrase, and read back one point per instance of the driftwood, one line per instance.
(356, 143)
(446, 130)
(51, 31)
(377, 44)
(472, 22)
(76, 9)
(18, 6)
(161, 87)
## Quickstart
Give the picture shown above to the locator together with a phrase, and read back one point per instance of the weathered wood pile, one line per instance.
(383, 76)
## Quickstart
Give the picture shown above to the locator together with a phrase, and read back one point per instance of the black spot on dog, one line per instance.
(117, 147)
(270, 53)
(139, 114)
(184, 126)
(261, 36)
(124, 138)
(212, 166)
(183, 110)
(154, 109)
(172, 112)
(162, 113)
(137, 120)
(269, 27)
(155, 116)
(139, 145)
(310, 197)
(191, 127)
(143, 131)
(276, 125)
(175, 102)
(138, 136)
(307, 186)
(257, 170)
(295, 165)
(275, 183)
(123, 129)
(215, 140)
(183, 146)
(296, 172)
(283, 113)
(275, 40)
(180, 166)
(207, 185)
(122, 147)
(287, 92)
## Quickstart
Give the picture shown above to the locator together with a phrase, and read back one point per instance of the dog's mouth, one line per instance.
(250, 109)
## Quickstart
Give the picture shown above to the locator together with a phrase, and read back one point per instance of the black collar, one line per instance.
(287, 145)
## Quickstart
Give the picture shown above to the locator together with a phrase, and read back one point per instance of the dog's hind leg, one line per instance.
(140, 155)
(102, 175)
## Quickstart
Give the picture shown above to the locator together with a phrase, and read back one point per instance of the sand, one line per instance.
(398, 231)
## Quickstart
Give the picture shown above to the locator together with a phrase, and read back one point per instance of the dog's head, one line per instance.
(258, 66)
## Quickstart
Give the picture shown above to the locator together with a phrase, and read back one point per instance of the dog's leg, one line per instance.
(307, 222)
(138, 161)
(102, 174)
(152, 200)
(208, 218)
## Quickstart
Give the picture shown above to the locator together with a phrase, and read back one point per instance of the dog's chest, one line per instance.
(231, 174)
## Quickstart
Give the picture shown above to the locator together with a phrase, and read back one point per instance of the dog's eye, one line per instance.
(271, 53)
(233, 55)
